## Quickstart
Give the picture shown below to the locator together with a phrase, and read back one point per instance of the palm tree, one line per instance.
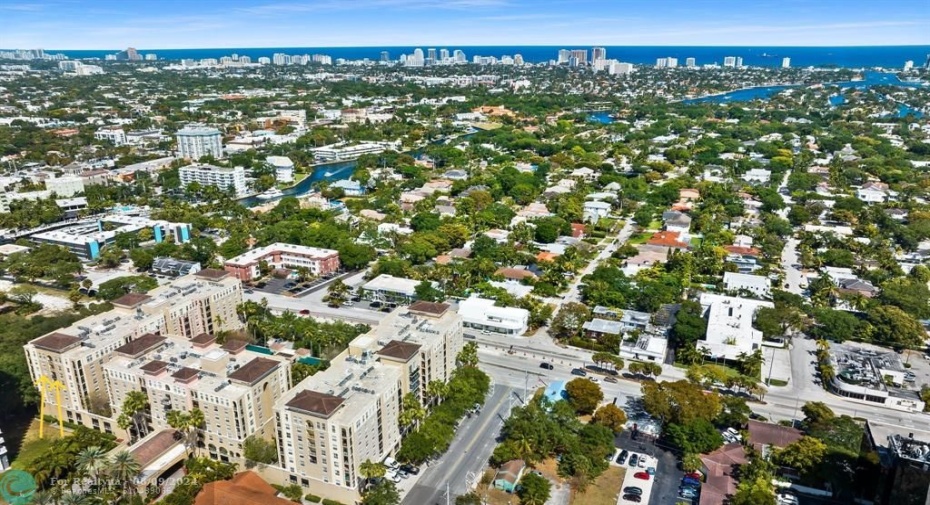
(436, 390)
(412, 412)
(371, 470)
(74, 499)
(92, 462)
(133, 413)
(124, 470)
(822, 344)
(827, 374)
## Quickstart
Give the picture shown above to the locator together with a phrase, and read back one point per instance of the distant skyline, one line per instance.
(177, 24)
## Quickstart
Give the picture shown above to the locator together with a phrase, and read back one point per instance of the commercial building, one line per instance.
(87, 239)
(335, 420)
(481, 314)
(598, 53)
(245, 267)
(195, 142)
(202, 303)
(112, 134)
(234, 387)
(223, 178)
(870, 376)
(786, 62)
(283, 168)
(387, 288)
(65, 187)
(729, 326)
(904, 456)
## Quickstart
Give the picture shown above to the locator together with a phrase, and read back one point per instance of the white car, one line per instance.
(642, 461)
(393, 477)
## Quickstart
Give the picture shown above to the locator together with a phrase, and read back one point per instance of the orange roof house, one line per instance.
(546, 256)
(667, 239)
(245, 488)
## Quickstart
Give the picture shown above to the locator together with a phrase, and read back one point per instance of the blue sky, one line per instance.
(167, 24)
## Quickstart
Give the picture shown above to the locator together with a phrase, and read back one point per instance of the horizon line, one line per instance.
(468, 45)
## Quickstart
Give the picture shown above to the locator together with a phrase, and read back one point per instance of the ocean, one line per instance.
(850, 57)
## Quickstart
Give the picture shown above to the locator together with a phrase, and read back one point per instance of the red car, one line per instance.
(641, 475)
(694, 475)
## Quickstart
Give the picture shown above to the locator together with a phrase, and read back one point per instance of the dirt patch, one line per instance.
(604, 490)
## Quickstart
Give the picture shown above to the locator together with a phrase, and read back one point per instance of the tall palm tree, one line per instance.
(93, 462)
(124, 469)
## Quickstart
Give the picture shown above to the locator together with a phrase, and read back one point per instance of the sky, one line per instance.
(177, 24)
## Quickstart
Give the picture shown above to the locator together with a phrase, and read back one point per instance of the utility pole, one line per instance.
(448, 496)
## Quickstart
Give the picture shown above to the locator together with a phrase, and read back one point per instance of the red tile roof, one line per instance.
(667, 239)
(546, 256)
(745, 251)
(245, 488)
(772, 434)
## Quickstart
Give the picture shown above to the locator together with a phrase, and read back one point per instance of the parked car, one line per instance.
(621, 459)
(690, 481)
(579, 372)
(635, 498)
(641, 476)
(633, 460)
(546, 365)
(411, 469)
(651, 470)
(375, 305)
(633, 490)
(642, 462)
(694, 475)
(305, 312)
(610, 378)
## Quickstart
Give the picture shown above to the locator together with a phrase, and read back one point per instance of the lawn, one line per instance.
(639, 238)
(33, 446)
(604, 490)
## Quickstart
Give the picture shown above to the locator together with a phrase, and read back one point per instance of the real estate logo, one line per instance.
(17, 487)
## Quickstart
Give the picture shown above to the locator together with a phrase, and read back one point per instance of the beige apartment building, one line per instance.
(333, 421)
(201, 303)
(234, 387)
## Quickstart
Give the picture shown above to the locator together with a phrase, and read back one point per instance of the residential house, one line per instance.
(762, 436)
(517, 274)
(873, 192)
(677, 222)
(349, 187)
(669, 239)
(757, 176)
(585, 173)
(578, 231)
(509, 475)
(756, 284)
(595, 210)
(720, 469)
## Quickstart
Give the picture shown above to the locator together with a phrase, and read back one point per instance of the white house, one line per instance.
(729, 326)
(595, 210)
(757, 176)
(283, 168)
(755, 284)
(873, 192)
(482, 314)
(677, 222)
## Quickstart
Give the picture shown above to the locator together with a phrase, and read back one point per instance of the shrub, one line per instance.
(327, 501)
(312, 498)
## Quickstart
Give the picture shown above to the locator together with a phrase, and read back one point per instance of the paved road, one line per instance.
(780, 403)
(460, 467)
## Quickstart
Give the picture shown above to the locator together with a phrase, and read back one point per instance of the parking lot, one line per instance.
(663, 486)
